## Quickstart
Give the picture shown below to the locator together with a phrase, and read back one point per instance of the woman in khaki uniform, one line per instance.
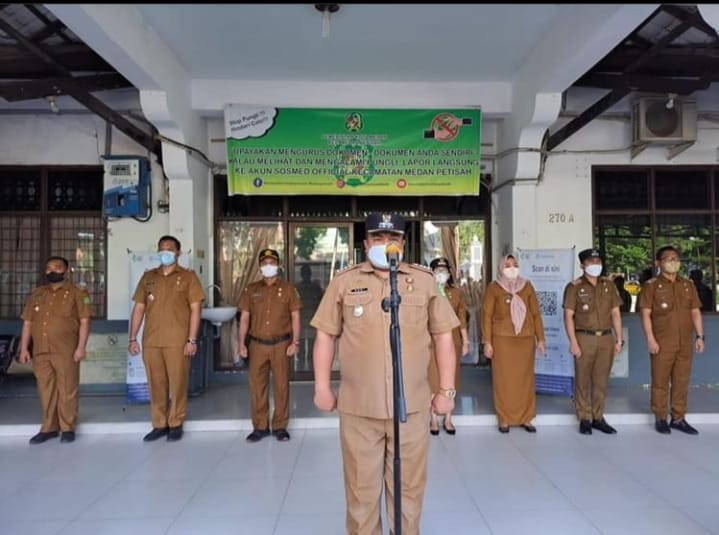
(511, 324)
(445, 286)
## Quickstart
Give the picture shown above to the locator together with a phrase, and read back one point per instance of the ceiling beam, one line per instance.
(693, 17)
(588, 115)
(147, 140)
(52, 26)
(645, 83)
(614, 96)
(32, 89)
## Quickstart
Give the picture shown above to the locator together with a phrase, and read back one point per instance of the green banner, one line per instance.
(294, 151)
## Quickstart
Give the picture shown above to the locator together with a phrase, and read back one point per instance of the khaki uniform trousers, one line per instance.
(591, 375)
(674, 365)
(168, 376)
(57, 377)
(367, 454)
(264, 358)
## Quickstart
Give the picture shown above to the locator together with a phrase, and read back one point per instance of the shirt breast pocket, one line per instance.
(663, 302)
(356, 309)
(413, 311)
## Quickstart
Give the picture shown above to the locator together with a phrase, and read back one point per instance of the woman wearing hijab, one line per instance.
(511, 324)
(445, 284)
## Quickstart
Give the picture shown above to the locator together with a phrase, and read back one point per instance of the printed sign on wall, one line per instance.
(285, 151)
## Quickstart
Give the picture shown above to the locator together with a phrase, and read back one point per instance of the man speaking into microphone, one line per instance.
(351, 312)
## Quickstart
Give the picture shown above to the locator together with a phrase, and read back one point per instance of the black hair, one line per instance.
(662, 250)
(172, 239)
(59, 259)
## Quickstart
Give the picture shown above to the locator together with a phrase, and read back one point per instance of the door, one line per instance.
(318, 251)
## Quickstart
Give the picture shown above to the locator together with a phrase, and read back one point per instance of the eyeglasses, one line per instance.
(670, 259)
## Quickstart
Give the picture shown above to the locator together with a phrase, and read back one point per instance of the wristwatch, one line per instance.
(449, 393)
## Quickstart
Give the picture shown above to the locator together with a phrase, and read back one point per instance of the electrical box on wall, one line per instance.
(126, 186)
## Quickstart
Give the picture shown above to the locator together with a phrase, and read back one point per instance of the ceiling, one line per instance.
(672, 51)
(369, 42)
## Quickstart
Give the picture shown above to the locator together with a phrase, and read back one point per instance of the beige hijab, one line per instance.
(517, 307)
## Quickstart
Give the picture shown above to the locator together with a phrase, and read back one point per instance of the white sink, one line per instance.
(218, 315)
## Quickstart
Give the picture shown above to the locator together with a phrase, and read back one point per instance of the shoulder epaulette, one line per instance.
(652, 280)
(422, 268)
(577, 281)
(347, 269)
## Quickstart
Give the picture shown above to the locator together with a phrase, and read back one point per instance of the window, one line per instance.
(46, 212)
(638, 210)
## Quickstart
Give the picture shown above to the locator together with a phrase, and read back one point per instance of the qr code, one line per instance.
(547, 303)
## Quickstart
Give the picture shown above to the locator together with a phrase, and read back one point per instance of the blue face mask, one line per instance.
(167, 258)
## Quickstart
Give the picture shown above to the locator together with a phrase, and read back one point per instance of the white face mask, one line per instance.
(441, 277)
(269, 270)
(377, 257)
(593, 270)
(511, 273)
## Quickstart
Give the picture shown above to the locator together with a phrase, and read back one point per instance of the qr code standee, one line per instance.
(547, 303)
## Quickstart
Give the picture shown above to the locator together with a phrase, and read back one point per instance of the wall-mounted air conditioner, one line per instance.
(664, 120)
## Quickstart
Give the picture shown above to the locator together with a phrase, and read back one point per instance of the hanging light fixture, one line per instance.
(326, 10)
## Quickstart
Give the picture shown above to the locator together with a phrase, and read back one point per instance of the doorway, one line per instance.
(318, 251)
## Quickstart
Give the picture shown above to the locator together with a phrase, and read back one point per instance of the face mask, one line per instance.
(511, 273)
(671, 267)
(441, 277)
(593, 270)
(54, 277)
(269, 270)
(378, 258)
(167, 258)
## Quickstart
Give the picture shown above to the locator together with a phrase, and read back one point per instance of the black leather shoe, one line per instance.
(157, 432)
(604, 427)
(434, 432)
(174, 434)
(585, 427)
(281, 434)
(683, 426)
(662, 427)
(504, 429)
(67, 436)
(257, 435)
(529, 428)
(42, 437)
(449, 430)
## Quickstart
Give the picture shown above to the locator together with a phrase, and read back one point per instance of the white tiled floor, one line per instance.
(480, 482)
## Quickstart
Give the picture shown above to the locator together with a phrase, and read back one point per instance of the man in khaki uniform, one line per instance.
(671, 316)
(57, 318)
(169, 298)
(591, 311)
(270, 318)
(351, 311)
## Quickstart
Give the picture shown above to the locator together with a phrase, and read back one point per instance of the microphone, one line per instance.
(392, 252)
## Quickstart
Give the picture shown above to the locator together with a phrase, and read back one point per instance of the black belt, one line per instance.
(271, 341)
(594, 333)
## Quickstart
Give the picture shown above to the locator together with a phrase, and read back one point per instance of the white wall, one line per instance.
(564, 195)
(79, 139)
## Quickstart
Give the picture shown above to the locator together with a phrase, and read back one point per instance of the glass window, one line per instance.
(621, 190)
(46, 213)
(681, 189)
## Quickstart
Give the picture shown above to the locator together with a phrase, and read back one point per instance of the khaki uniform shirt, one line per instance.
(456, 299)
(592, 305)
(167, 300)
(497, 314)
(671, 304)
(55, 316)
(270, 306)
(351, 309)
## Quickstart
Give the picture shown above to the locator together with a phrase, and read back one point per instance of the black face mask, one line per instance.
(54, 277)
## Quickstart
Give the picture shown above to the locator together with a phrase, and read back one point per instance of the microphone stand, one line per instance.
(391, 304)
